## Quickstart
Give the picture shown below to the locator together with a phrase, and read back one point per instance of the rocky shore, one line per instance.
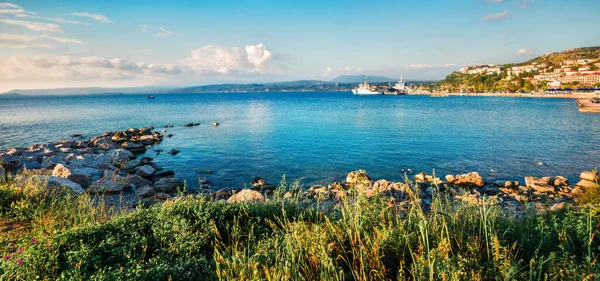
(109, 166)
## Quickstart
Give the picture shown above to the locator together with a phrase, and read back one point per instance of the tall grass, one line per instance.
(289, 238)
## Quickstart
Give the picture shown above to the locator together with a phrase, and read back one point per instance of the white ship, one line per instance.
(401, 87)
(365, 89)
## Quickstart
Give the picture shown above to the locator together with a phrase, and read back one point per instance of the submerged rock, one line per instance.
(174, 151)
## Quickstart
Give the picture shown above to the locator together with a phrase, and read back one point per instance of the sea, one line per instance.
(318, 137)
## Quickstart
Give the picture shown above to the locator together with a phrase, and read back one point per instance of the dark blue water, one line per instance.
(322, 136)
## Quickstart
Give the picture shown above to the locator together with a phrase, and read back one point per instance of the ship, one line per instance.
(365, 89)
(589, 105)
(401, 88)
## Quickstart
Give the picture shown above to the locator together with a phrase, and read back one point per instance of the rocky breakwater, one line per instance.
(104, 165)
(470, 188)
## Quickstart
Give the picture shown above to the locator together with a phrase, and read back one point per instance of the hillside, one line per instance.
(87, 91)
(360, 78)
(294, 86)
(568, 69)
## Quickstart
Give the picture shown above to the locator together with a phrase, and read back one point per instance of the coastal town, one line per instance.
(568, 74)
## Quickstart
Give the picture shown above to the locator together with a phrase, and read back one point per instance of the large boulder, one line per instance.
(145, 171)
(145, 191)
(61, 171)
(585, 184)
(80, 177)
(97, 161)
(131, 164)
(121, 155)
(359, 180)
(561, 181)
(590, 176)
(137, 181)
(469, 179)
(246, 196)
(167, 185)
(134, 147)
(109, 184)
(55, 182)
(532, 181)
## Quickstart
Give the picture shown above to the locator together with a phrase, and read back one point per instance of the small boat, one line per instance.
(150, 97)
(365, 89)
(589, 105)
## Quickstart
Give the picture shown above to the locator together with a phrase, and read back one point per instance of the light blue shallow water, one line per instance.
(322, 136)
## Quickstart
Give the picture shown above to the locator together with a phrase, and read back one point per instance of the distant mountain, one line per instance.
(89, 91)
(293, 86)
(361, 78)
(13, 95)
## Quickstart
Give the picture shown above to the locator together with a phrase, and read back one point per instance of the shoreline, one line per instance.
(110, 165)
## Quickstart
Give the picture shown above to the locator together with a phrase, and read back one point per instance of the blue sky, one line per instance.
(47, 44)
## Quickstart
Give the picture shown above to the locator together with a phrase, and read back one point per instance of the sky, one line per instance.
(60, 44)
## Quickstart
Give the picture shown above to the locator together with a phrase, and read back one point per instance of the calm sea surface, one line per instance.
(320, 137)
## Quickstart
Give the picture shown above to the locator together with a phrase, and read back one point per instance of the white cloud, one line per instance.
(165, 33)
(223, 60)
(496, 17)
(143, 27)
(20, 41)
(9, 6)
(523, 52)
(35, 26)
(210, 62)
(97, 17)
(62, 39)
(11, 12)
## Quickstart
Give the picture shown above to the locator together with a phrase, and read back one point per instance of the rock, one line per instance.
(531, 181)
(145, 171)
(160, 196)
(97, 161)
(215, 123)
(557, 206)
(191, 124)
(174, 151)
(109, 184)
(470, 179)
(136, 181)
(80, 177)
(590, 176)
(585, 184)
(61, 171)
(561, 181)
(450, 178)
(358, 177)
(134, 147)
(204, 172)
(2, 173)
(543, 188)
(246, 196)
(145, 191)
(202, 180)
(131, 165)
(500, 183)
(257, 181)
(55, 182)
(167, 185)
(121, 155)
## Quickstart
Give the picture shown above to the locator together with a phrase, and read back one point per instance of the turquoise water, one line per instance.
(320, 137)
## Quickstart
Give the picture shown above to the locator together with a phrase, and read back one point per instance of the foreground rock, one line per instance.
(246, 196)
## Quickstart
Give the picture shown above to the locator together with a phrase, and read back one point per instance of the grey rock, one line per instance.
(131, 164)
(55, 182)
(109, 184)
(61, 171)
(145, 171)
(167, 185)
(145, 191)
(202, 180)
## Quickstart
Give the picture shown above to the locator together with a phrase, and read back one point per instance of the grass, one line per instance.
(61, 237)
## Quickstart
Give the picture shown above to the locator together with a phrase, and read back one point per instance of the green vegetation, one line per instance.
(57, 236)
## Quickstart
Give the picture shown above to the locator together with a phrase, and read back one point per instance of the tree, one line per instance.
(597, 85)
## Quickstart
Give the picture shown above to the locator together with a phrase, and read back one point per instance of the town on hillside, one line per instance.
(550, 73)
